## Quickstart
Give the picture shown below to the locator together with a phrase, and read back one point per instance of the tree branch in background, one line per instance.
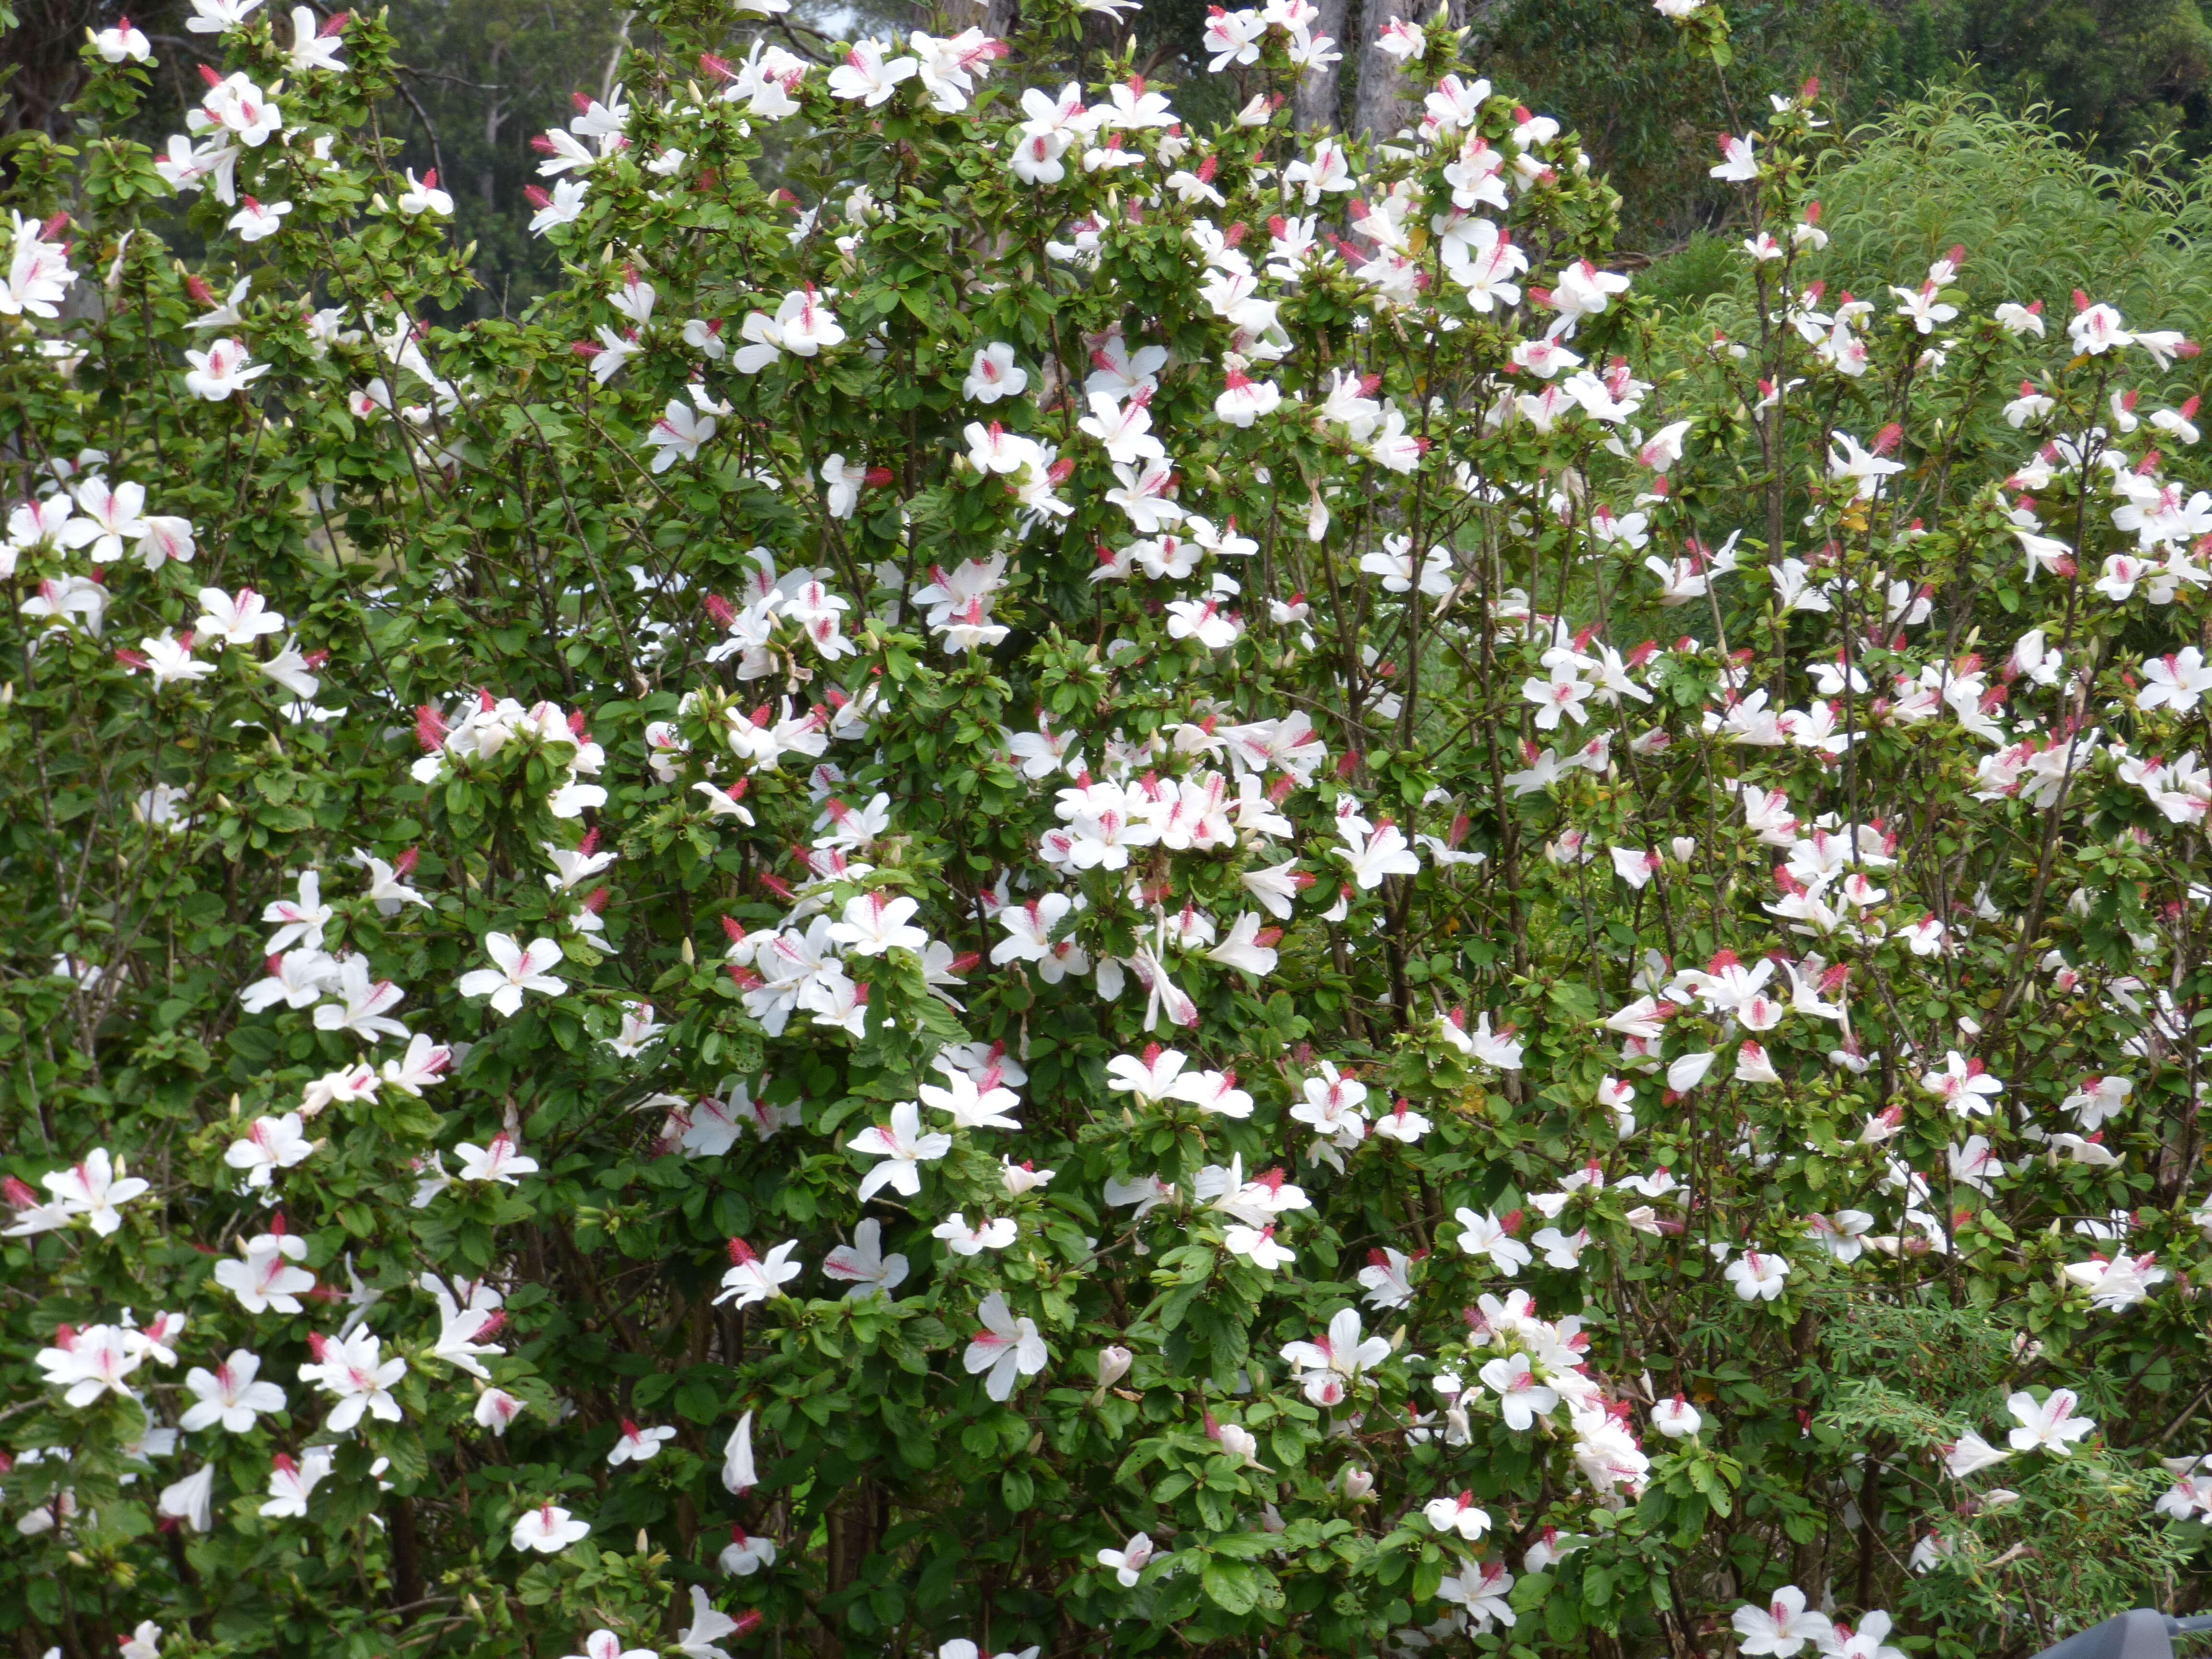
(1316, 103)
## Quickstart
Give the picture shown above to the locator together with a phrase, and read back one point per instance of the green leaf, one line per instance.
(1232, 1586)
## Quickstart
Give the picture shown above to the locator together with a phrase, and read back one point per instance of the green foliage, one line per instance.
(2071, 1542)
(2036, 215)
(2122, 72)
(1706, 265)
(480, 80)
(1649, 108)
(725, 753)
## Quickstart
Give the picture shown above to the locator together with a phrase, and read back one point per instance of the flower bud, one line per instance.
(1113, 1365)
(1358, 1483)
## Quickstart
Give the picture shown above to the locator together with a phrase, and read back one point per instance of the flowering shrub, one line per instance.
(1082, 886)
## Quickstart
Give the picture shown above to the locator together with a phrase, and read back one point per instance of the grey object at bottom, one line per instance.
(2143, 1634)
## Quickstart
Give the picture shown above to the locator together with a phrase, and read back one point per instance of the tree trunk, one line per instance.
(406, 1559)
(1381, 106)
(614, 53)
(1316, 103)
(1378, 107)
(494, 117)
(997, 18)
